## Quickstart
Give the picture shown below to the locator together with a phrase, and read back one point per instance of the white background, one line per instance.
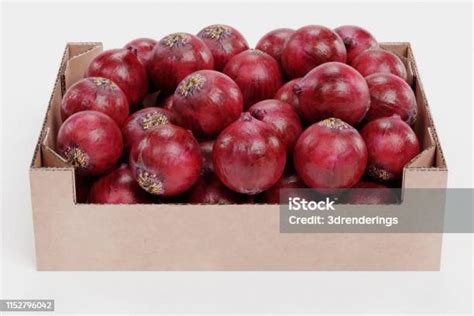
(33, 39)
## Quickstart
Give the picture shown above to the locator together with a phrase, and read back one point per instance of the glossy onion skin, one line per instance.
(282, 118)
(333, 90)
(356, 40)
(206, 151)
(96, 94)
(122, 67)
(391, 144)
(370, 193)
(210, 190)
(167, 161)
(390, 95)
(176, 56)
(274, 41)
(206, 102)
(118, 187)
(224, 42)
(289, 182)
(90, 141)
(142, 122)
(286, 94)
(248, 157)
(257, 74)
(330, 154)
(143, 48)
(311, 46)
(377, 60)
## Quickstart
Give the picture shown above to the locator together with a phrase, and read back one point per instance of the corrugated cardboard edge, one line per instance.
(72, 51)
(68, 55)
(441, 161)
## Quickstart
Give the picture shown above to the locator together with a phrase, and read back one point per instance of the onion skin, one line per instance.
(118, 187)
(330, 155)
(224, 42)
(390, 95)
(356, 40)
(333, 90)
(210, 190)
(274, 41)
(391, 144)
(375, 60)
(311, 46)
(257, 74)
(206, 151)
(141, 123)
(248, 157)
(282, 118)
(176, 56)
(167, 161)
(142, 48)
(366, 192)
(122, 67)
(286, 94)
(96, 94)
(91, 142)
(289, 182)
(206, 102)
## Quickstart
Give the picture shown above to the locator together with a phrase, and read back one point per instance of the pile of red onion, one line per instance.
(207, 119)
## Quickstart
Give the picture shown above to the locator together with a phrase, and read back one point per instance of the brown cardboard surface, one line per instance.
(71, 236)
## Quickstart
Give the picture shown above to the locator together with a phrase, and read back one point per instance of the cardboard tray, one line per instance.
(75, 236)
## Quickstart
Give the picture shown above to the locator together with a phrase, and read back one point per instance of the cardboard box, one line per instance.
(75, 236)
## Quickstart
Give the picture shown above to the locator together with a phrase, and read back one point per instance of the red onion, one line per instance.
(333, 90)
(95, 94)
(273, 42)
(143, 48)
(176, 56)
(366, 192)
(356, 40)
(293, 185)
(224, 42)
(122, 67)
(167, 161)
(210, 190)
(286, 94)
(391, 144)
(118, 187)
(311, 46)
(141, 123)
(375, 60)
(206, 151)
(91, 142)
(256, 73)
(248, 157)
(390, 95)
(282, 118)
(330, 155)
(206, 102)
